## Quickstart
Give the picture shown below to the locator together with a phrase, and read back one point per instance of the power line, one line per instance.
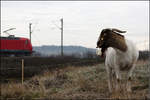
(61, 28)
(39, 42)
(56, 25)
(34, 27)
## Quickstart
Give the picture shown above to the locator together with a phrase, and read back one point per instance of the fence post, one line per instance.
(22, 70)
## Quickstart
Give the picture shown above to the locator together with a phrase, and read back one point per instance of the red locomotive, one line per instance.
(15, 46)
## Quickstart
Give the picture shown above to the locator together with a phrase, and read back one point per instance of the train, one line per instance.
(16, 46)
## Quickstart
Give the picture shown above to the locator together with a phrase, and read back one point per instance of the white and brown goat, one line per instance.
(121, 55)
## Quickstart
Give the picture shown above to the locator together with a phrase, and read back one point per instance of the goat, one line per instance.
(121, 55)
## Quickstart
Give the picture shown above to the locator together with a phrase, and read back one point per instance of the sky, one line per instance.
(83, 21)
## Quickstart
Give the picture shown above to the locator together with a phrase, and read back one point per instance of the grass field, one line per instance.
(82, 82)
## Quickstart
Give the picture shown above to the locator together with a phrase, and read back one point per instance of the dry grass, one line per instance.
(88, 82)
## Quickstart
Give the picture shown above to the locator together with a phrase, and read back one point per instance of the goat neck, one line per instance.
(117, 41)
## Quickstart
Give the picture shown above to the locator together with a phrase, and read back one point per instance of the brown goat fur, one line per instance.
(117, 41)
(109, 38)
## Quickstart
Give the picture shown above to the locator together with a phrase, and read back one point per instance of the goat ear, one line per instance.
(117, 30)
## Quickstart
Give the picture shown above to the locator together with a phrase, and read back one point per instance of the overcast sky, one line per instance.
(83, 20)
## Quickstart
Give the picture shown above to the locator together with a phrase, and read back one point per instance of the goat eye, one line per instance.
(102, 39)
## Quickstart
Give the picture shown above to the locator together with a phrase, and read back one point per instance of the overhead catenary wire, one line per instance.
(61, 28)
(144, 44)
(32, 30)
(39, 42)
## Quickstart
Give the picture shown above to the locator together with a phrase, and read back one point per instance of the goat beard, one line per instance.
(103, 50)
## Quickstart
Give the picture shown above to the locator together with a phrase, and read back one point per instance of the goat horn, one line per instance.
(117, 30)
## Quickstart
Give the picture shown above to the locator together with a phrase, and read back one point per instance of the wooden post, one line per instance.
(22, 70)
(61, 37)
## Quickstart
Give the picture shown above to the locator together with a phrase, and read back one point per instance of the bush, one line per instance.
(144, 55)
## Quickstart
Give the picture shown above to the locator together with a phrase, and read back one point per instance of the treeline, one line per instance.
(144, 55)
(87, 54)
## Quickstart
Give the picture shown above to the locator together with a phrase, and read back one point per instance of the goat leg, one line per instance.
(110, 84)
(129, 78)
(118, 78)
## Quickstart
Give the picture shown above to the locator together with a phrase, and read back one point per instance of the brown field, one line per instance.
(11, 66)
(72, 82)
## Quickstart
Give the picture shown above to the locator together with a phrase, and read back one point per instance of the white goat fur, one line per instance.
(116, 59)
